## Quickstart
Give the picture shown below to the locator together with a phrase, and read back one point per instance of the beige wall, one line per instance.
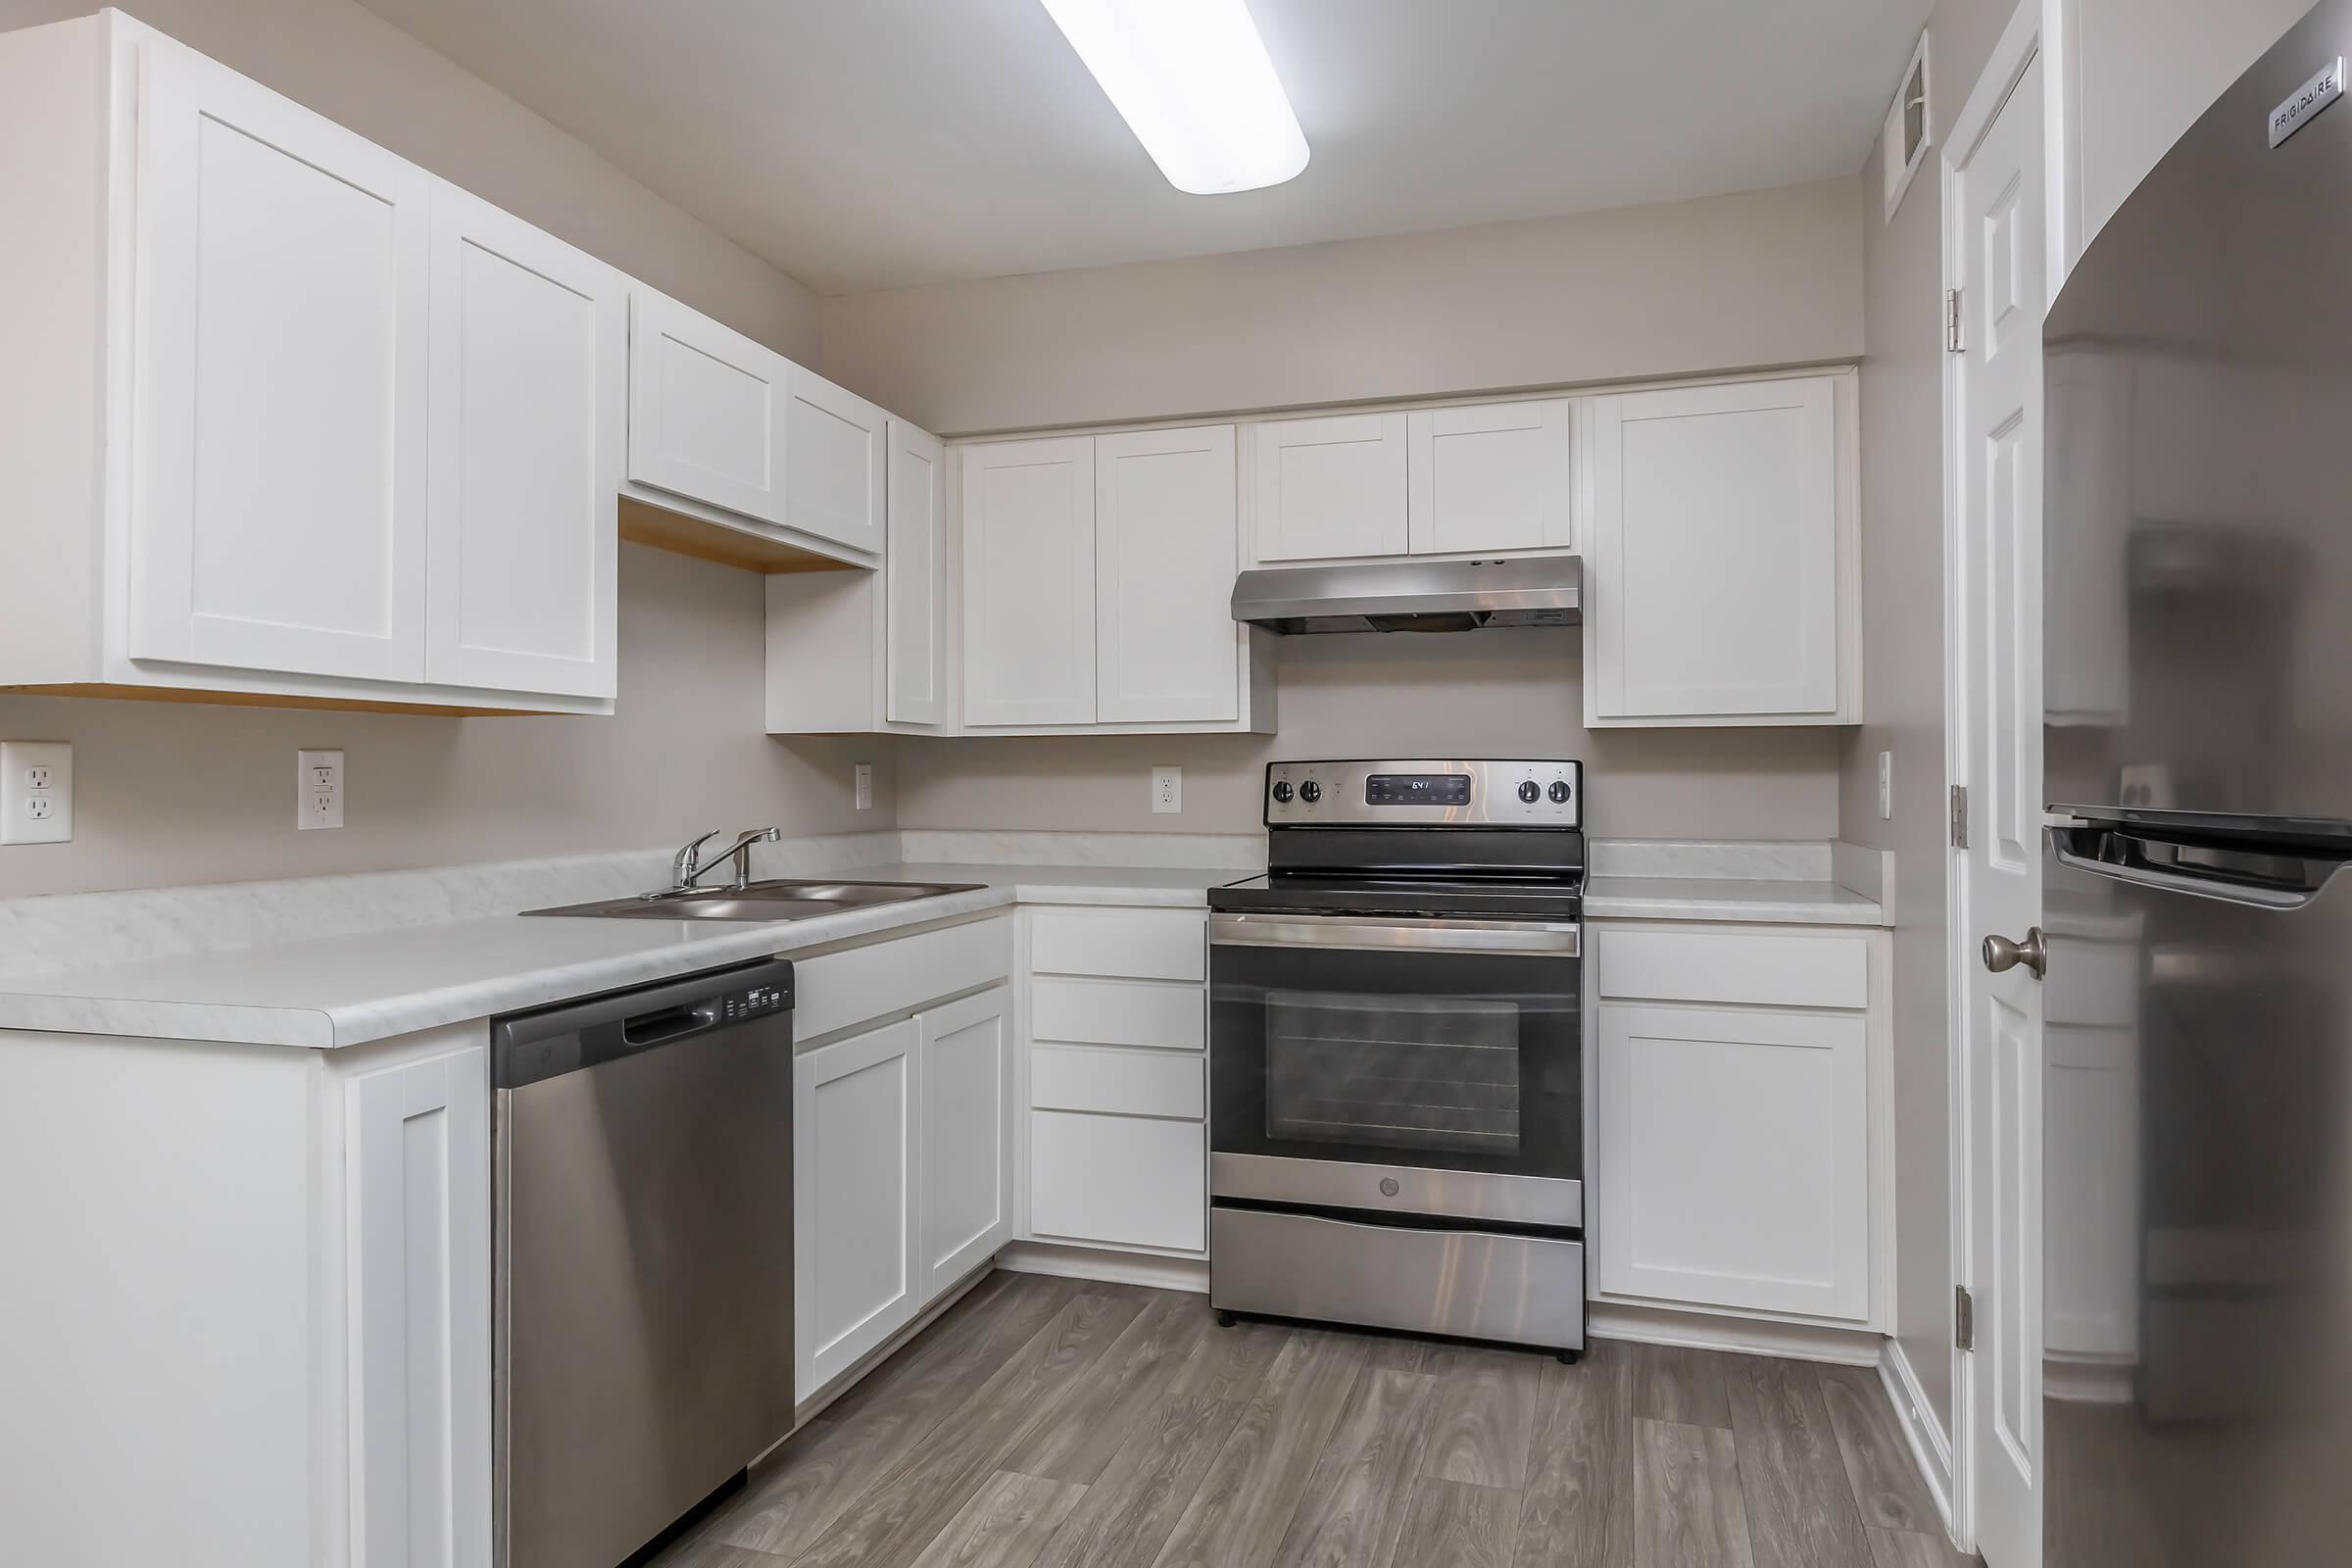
(169, 793)
(1475, 694)
(360, 71)
(1765, 279)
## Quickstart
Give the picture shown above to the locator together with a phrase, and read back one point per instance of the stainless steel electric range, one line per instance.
(1395, 1051)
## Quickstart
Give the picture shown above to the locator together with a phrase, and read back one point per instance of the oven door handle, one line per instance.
(1388, 934)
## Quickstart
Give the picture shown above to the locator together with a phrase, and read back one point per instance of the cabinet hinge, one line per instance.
(1951, 321)
(1959, 817)
(1964, 1318)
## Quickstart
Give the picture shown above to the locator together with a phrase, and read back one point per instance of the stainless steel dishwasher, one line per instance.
(644, 1343)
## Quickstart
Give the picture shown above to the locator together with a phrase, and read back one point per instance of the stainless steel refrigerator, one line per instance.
(2197, 1055)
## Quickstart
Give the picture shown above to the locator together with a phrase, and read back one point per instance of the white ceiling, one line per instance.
(862, 144)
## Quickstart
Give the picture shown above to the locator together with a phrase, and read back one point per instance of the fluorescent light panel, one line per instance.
(1191, 79)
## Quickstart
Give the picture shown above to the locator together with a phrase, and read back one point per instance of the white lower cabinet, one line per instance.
(902, 1165)
(1127, 1180)
(857, 1109)
(1739, 1162)
(417, 1160)
(967, 1136)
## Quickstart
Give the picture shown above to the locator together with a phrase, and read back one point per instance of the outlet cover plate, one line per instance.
(318, 789)
(1167, 791)
(37, 792)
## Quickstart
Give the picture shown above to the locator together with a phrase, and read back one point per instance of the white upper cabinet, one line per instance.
(278, 513)
(915, 580)
(1721, 559)
(1491, 477)
(528, 412)
(1329, 488)
(834, 446)
(1029, 582)
(707, 405)
(1165, 640)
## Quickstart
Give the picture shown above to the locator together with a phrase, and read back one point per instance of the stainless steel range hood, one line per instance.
(1412, 596)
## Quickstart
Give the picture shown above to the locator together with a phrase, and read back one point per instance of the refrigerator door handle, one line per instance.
(2262, 879)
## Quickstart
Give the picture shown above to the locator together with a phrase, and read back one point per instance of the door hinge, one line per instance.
(1951, 321)
(1964, 1318)
(1959, 817)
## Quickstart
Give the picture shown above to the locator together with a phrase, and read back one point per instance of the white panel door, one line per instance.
(705, 410)
(857, 1176)
(835, 446)
(1491, 477)
(278, 497)
(1166, 548)
(1713, 561)
(1029, 582)
(529, 389)
(1998, 222)
(416, 1161)
(1133, 1181)
(1329, 487)
(967, 1205)
(916, 581)
(1734, 1166)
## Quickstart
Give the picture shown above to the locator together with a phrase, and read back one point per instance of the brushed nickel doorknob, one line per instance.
(2002, 955)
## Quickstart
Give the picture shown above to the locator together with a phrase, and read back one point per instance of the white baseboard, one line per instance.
(1107, 1264)
(1707, 1331)
(1930, 1446)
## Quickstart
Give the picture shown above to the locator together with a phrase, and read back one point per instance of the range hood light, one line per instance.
(1424, 595)
(1191, 79)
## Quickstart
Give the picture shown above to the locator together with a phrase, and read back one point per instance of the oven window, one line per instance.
(1393, 1072)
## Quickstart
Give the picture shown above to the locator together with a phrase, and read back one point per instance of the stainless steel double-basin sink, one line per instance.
(778, 900)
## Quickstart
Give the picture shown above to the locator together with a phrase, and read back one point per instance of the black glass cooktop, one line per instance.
(1314, 893)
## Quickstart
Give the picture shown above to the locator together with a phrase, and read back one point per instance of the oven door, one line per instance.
(1424, 1067)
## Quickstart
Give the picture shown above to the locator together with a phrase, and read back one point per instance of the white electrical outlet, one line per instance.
(1167, 790)
(37, 792)
(1885, 786)
(319, 800)
(865, 786)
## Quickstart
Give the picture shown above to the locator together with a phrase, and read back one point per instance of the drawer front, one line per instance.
(1129, 1083)
(1133, 944)
(1789, 969)
(838, 989)
(1118, 1012)
(1125, 1180)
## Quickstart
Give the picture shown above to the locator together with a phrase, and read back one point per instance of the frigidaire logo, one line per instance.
(2315, 95)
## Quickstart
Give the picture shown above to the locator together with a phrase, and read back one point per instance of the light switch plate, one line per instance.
(865, 786)
(1885, 786)
(1167, 790)
(37, 792)
(319, 798)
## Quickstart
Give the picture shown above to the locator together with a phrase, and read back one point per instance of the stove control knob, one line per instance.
(1559, 792)
(1310, 792)
(1282, 794)
(1531, 792)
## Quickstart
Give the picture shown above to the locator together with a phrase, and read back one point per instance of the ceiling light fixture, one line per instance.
(1191, 79)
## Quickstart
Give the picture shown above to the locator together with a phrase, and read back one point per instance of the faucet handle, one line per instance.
(681, 864)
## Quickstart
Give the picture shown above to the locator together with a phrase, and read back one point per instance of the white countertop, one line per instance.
(347, 990)
(364, 985)
(1695, 898)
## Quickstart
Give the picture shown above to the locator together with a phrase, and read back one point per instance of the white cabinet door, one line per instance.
(857, 1186)
(1029, 582)
(1714, 556)
(1734, 1165)
(967, 1136)
(705, 410)
(1491, 477)
(417, 1163)
(279, 511)
(916, 581)
(1165, 554)
(1131, 1181)
(1329, 487)
(528, 400)
(835, 446)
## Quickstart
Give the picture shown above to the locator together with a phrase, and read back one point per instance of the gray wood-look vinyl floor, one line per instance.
(1050, 1423)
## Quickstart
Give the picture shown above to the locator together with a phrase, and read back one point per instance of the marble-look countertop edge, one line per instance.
(1730, 900)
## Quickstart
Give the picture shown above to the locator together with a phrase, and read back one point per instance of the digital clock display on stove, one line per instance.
(1417, 789)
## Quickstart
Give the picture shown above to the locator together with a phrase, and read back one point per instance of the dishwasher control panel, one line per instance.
(755, 1002)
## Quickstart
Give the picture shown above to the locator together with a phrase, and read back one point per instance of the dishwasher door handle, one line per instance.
(668, 1023)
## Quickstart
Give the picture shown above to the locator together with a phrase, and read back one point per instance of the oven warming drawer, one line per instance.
(1478, 1285)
